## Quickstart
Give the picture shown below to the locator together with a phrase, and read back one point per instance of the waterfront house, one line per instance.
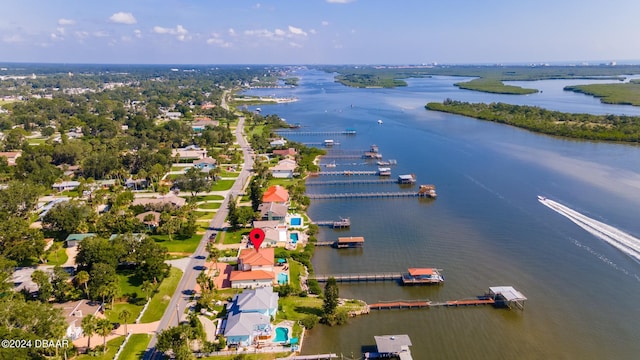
(290, 152)
(251, 279)
(273, 211)
(284, 169)
(244, 329)
(260, 300)
(278, 142)
(251, 260)
(277, 194)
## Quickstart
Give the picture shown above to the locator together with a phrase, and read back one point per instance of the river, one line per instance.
(486, 228)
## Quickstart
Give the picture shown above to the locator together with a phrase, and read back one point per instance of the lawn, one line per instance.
(295, 269)
(112, 314)
(57, 257)
(188, 245)
(283, 182)
(161, 298)
(136, 347)
(205, 197)
(112, 347)
(222, 185)
(206, 215)
(226, 174)
(233, 237)
(297, 308)
(129, 284)
(209, 206)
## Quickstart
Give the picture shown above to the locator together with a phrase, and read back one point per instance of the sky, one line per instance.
(319, 31)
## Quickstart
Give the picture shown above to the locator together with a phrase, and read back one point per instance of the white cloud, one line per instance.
(81, 35)
(100, 33)
(60, 30)
(325, 23)
(293, 44)
(181, 33)
(232, 32)
(123, 18)
(216, 39)
(137, 33)
(66, 22)
(12, 38)
(279, 32)
(56, 37)
(313, 31)
(296, 31)
(260, 33)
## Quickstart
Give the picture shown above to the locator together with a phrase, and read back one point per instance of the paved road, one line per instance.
(185, 288)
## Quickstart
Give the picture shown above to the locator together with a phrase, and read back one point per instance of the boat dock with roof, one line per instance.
(391, 346)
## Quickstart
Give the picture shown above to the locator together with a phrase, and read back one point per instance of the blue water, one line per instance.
(296, 221)
(486, 228)
(283, 278)
(282, 334)
(294, 238)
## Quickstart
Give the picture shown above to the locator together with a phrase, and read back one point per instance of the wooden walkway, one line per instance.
(324, 243)
(312, 357)
(370, 195)
(390, 276)
(417, 304)
(348, 172)
(353, 182)
(309, 133)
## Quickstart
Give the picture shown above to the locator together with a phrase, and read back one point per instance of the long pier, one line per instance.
(308, 133)
(346, 172)
(312, 357)
(417, 304)
(353, 182)
(389, 276)
(371, 195)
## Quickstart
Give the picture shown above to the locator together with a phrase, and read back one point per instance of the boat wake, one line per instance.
(615, 237)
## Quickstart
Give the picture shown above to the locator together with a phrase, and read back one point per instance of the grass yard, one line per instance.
(188, 245)
(209, 206)
(205, 197)
(129, 284)
(136, 347)
(283, 182)
(57, 257)
(297, 308)
(233, 237)
(222, 185)
(112, 347)
(113, 314)
(161, 298)
(295, 269)
(226, 174)
(206, 215)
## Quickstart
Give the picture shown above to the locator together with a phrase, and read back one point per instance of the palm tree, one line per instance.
(125, 316)
(89, 327)
(104, 328)
(147, 288)
(82, 278)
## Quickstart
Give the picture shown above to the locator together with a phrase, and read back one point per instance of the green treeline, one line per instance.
(579, 126)
(369, 80)
(494, 86)
(622, 94)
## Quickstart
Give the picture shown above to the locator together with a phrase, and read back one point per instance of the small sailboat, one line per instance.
(379, 122)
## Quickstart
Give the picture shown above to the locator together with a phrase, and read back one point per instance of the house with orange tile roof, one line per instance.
(276, 194)
(255, 269)
(11, 156)
(251, 279)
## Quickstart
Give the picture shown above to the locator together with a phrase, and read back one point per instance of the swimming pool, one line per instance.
(283, 278)
(296, 221)
(282, 334)
(294, 237)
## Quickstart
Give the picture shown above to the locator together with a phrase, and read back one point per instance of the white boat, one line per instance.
(380, 122)
(331, 165)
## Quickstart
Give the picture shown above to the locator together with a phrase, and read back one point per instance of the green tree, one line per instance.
(89, 326)
(147, 288)
(233, 213)
(176, 339)
(18, 199)
(330, 302)
(69, 217)
(125, 316)
(244, 215)
(193, 180)
(81, 279)
(102, 281)
(104, 328)
(95, 250)
(18, 241)
(43, 280)
(6, 272)
(60, 284)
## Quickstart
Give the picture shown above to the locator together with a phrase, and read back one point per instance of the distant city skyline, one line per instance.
(320, 32)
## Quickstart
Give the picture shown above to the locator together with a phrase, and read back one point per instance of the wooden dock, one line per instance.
(353, 182)
(417, 304)
(312, 357)
(348, 172)
(400, 194)
(324, 243)
(363, 277)
(336, 224)
(310, 133)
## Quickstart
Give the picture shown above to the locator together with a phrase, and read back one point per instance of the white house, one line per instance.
(278, 142)
(284, 169)
(74, 312)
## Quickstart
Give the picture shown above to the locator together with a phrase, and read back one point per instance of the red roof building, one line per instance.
(277, 194)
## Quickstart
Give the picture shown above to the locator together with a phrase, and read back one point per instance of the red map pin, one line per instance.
(256, 236)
